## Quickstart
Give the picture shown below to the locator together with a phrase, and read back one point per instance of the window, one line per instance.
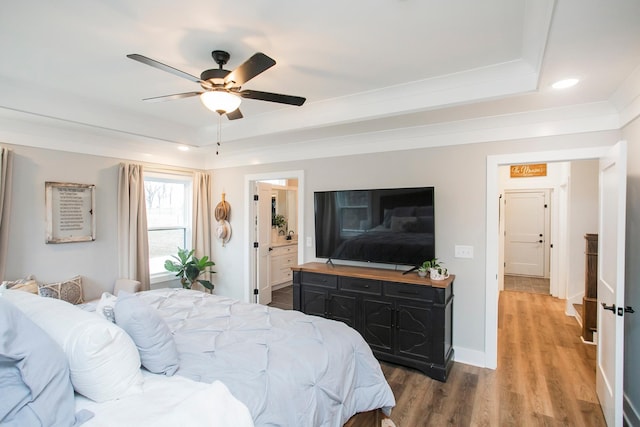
(169, 201)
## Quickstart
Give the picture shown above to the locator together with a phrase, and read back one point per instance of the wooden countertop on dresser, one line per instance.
(372, 273)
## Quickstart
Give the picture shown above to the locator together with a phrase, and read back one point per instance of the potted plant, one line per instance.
(424, 269)
(188, 268)
(279, 221)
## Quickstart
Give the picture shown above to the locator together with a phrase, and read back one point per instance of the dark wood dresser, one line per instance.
(405, 319)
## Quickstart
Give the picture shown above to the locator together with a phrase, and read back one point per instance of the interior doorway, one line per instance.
(260, 231)
(614, 155)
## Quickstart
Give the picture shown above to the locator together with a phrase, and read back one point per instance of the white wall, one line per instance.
(28, 253)
(583, 219)
(631, 133)
(459, 176)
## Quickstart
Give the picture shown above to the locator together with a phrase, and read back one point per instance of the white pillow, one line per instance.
(103, 360)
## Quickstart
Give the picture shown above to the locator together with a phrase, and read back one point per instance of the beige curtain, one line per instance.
(202, 215)
(133, 243)
(6, 160)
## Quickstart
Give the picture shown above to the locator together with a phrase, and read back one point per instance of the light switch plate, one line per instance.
(309, 241)
(462, 251)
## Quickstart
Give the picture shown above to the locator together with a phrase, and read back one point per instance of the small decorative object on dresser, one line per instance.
(438, 273)
(435, 269)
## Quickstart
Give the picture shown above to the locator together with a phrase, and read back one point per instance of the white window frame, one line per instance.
(187, 180)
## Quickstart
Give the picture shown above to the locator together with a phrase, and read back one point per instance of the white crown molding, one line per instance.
(538, 15)
(24, 129)
(626, 98)
(19, 128)
(500, 80)
(557, 121)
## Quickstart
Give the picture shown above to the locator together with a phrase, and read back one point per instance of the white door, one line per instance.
(264, 241)
(611, 242)
(525, 213)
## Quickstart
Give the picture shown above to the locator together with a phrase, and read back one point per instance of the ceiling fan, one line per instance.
(222, 88)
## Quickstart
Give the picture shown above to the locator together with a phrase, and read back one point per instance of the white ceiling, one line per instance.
(365, 67)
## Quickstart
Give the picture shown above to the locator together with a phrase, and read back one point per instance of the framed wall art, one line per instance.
(70, 212)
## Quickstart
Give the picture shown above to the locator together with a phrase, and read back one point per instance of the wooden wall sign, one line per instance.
(70, 212)
(527, 171)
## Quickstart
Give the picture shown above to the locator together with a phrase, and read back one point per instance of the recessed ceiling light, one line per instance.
(564, 84)
(183, 148)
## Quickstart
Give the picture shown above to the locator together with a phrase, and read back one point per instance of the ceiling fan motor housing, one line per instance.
(215, 75)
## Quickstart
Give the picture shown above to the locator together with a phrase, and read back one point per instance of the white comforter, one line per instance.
(169, 402)
(288, 368)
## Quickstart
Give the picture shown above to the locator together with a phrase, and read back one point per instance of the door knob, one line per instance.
(628, 309)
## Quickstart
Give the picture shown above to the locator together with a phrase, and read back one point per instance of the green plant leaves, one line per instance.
(188, 268)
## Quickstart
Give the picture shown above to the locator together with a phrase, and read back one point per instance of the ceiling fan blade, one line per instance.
(235, 114)
(253, 66)
(272, 97)
(164, 67)
(172, 97)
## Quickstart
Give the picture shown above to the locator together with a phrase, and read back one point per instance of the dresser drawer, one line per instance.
(281, 275)
(284, 250)
(317, 279)
(363, 286)
(283, 261)
(402, 290)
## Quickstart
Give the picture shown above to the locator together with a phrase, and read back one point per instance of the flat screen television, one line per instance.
(388, 226)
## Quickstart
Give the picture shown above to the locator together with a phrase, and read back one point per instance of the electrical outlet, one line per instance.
(309, 241)
(462, 251)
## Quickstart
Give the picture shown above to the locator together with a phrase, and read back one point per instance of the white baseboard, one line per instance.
(469, 357)
(631, 415)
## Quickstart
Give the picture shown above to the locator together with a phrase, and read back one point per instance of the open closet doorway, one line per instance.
(274, 223)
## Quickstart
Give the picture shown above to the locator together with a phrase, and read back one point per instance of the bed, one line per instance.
(259, 366)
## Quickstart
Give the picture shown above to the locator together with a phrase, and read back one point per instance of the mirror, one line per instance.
(285, 202)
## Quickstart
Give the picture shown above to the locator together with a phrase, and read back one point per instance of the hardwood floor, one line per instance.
(545, 376)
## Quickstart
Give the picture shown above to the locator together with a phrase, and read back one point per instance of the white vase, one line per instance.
(422, 273)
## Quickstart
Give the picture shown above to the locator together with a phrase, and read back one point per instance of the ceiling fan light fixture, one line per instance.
(220, 101)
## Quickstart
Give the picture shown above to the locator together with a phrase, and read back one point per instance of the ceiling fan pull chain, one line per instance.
(219, 134)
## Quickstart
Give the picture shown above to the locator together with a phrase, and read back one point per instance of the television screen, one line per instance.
(391, 226)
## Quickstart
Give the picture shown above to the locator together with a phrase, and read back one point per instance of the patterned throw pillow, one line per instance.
(28, 284)
(69, 291)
